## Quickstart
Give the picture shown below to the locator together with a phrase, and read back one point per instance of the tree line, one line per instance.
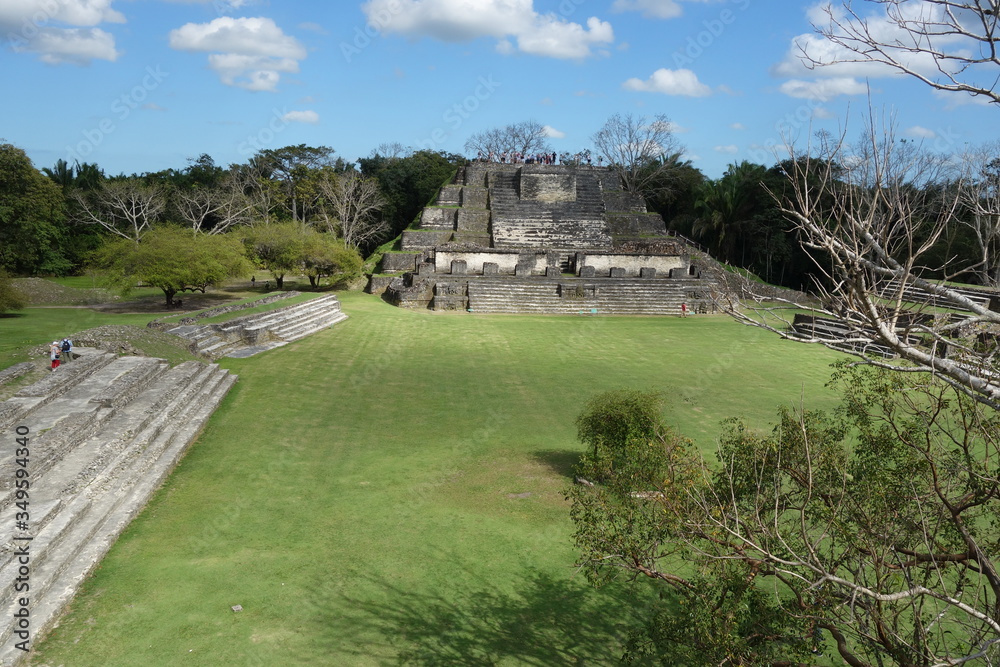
(52, 220)
(298, 209)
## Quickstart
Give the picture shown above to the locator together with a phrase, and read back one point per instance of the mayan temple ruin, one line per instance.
(520, 238)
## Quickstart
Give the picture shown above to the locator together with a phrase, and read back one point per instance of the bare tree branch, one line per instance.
(949, 45)
(350, 207)
(125, 207)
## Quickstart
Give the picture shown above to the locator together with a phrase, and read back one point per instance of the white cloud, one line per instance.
(737, 126)
(955, 100)
(657, 9)
(150, 106)
(823, 113)
(550, 131)
(920, 132)
(78, 46)
(19, 14)
(823, 90)
(250, 53)
(837, 59)
(310, 117)
(219, 5)
(32, 26)
(554, 38)
(313, 27)
(730, 149)
(682, 82)
(507, 21)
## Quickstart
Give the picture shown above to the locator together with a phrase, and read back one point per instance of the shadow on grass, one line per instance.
(8, 316)
(560, 461)
(545, 621)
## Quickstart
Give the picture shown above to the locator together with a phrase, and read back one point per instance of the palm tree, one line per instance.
(725, 205)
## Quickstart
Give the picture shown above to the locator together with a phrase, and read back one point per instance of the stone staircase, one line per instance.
(580, 296)
(252, 334)
(103, 433)
(848, 336)
(528, 223)
(891, 289)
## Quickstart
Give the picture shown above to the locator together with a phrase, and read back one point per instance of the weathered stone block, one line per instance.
(378, 284)
(459, 267)
(617, 272)
(647, 272)
(450, 194)
(474, 197)
(587, 272)
(473, 221)
(399, 261)
(425, 268)
(491, 269)
(548, 188)
(438, 218)
(469, 238)
(420, 239)
(552, 272)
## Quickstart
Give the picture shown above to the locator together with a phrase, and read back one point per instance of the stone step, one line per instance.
(320, 304)
(66, 421)
(262, 331)
(20, 407)
(76, 517)
(630, 297)
(302, 328)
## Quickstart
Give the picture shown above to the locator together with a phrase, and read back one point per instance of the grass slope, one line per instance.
(26, 329)
(391, 490)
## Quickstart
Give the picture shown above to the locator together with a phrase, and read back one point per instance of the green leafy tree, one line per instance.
(873, 532)
(32, 217)
(277, 248)
(409, 183)
(292, 167)
(172, 259)
(325, 256)
(10, 298)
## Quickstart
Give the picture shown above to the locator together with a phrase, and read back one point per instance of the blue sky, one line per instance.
(144, 85)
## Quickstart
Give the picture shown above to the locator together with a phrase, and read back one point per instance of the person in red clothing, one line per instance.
(54, 354)
(684, 310)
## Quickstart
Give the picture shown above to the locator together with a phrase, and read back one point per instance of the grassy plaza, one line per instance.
(390, 491)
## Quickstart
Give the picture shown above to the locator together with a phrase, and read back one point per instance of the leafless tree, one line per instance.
(949, 45)
(872, 214)
(214, 210)
(637, 148)
(391, 149)
(525, 138)
(980, 189)
(261, 191)
(350, 206)
(125, 207)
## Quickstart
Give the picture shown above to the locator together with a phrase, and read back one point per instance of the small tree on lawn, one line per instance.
(277, 248)
(324, 256)
(10, 298)
(172, 259)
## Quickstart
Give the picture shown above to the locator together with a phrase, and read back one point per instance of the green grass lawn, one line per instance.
(391, 490)
(39, 326)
